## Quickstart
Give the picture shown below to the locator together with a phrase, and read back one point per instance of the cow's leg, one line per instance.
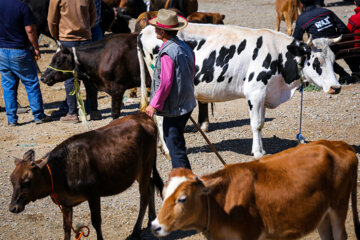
(203, 118)
(337, 218)
(145, 192)
(68, 211)
(277, 27)
(288, 25)
(324, 229)
(159, 123)
(95, 210)
(257, 118)
(117, 93)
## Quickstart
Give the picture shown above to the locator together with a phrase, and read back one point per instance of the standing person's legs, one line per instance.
(10, 84)
(174, 138)
(343, 75)
(23, 65)
(96, 33)
(354, 64)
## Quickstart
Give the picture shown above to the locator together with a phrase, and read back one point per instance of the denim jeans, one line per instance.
(174, 138)
(96, 33)
(18, 64)
(91, 91)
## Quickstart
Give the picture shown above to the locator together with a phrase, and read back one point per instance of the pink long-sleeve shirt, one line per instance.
(166, 81)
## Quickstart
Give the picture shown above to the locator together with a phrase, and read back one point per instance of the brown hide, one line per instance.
(288, 11)
(283, 196)
(206, 17)
(87, 166)
(113, 3)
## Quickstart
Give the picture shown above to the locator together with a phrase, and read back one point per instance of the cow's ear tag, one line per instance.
(152, 67)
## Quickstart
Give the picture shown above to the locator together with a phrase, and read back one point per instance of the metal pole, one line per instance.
(208, 142)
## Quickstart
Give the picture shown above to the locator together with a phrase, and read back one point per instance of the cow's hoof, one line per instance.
(205, 127)
(258, 155)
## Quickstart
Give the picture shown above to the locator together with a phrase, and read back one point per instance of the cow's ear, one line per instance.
(299, 49)
(211, 185)
(222, 16)
(29, 155)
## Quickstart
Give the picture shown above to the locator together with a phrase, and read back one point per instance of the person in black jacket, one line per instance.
(322, 23)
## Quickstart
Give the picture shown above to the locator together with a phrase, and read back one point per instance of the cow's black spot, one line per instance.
(250, 105)
(221, 77)
(267, 61)
(264, 76)
(225, 54)
(251, 76)
(308, 63)
(231, 79)
(140, 45)
(196, 79)
(151, 56)
(259, 43)
(316, 66)
(192, 44)
(289, 70)
(156, 50)
(201, 43)
(241, 46)
(207, 69)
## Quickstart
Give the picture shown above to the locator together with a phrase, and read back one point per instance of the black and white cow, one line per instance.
(260, 65)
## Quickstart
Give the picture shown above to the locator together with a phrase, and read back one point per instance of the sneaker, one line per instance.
(44, 119)
(70, 118)
(95, 115)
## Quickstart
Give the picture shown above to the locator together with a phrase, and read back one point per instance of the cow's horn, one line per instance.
(335, 40)
(309, 41)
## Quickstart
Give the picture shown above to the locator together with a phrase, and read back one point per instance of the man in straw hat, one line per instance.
(172, 88)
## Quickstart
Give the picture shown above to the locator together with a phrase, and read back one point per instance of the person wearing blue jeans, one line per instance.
(96, 31)
(17, 32)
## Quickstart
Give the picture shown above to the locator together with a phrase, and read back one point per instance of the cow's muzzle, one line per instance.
(16, 208)
(334, 90)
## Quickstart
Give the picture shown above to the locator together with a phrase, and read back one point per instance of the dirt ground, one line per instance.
(335, 117)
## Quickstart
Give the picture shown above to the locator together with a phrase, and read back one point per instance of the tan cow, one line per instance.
(206, 17)
(288, 11)
(283, 196)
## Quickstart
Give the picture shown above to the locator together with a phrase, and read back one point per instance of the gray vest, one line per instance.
(181, 99)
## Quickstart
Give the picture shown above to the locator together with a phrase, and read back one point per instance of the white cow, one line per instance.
(234, 62)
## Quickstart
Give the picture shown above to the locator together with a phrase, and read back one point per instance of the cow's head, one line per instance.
(28, 183)
(318, 61)
(184, 205)
(63, 59)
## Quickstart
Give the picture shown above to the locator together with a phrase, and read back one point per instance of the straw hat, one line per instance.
(168, 20)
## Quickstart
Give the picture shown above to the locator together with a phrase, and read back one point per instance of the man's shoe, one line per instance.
(95, 115)
(44, 120)
(70, 118)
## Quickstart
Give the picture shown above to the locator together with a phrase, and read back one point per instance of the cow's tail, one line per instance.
(144, 99)
(354, 209)
(158, 182)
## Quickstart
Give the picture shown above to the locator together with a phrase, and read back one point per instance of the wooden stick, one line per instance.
(208, 142)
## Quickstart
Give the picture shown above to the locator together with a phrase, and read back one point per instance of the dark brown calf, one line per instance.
(110, 64)
(283, 196)
(186, 7)
(85, 167)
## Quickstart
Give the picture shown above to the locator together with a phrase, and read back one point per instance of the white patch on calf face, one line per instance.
(174, 183)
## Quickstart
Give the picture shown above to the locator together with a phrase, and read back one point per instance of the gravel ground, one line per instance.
(334, 117)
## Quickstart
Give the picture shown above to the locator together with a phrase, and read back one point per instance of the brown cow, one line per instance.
(111, 64)
(128, 7)
(288, 11)
(283, 196)
(206, 17)
(87, 166)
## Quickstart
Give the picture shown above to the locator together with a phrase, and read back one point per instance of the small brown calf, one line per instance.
(87, 166)
(288, 11)
(206, 17)
(283, 196)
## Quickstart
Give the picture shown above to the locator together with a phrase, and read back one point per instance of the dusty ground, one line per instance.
(325, 117)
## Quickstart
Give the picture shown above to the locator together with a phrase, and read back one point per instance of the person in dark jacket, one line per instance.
(172, 88)
(322, 23)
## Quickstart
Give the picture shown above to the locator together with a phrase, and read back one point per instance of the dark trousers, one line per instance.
(91, 91)
(174, 138)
